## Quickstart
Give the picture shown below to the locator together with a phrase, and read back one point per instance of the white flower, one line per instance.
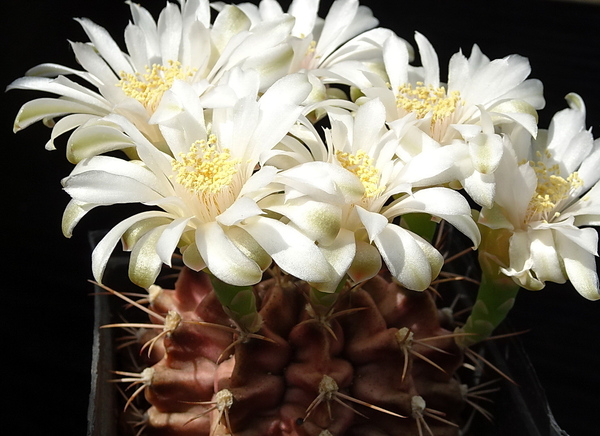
(545, 202)
(330, 50)
(427, 113)
(370, 187)
(182, 46)
(317, 41)
(208, 188)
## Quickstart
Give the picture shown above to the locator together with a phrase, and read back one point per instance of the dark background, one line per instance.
(46, 304)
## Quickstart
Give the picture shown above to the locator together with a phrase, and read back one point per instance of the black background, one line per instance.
(46, 307)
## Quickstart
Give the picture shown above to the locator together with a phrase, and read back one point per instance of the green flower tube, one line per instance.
(497, 292)
(240, 304)
(322, 302)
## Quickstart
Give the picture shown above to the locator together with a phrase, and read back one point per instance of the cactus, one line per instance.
(383, 360)
(307, 301)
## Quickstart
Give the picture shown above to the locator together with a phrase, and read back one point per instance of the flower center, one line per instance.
(310, 51)
(551, 190)
(149, 88)
(361, 164)
(310, 59)
(205, 170)
(423, 100)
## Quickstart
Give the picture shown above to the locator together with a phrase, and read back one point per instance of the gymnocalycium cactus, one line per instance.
(302, 172)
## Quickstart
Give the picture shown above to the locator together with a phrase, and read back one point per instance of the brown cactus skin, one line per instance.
(275, 381)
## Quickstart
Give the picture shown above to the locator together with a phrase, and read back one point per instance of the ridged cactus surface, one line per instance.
(378, 363)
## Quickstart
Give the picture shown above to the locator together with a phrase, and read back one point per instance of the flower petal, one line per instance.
(145, 263)
(107, 180)
(64, 87)
(486, 152)
(95, 140)
(319, 221)
(410, 259)
(521, 262)
(366, 263)
(105, 247)
(223, 258)
(374, 222)
(323, 182)
(546, 264)
(396, 59)
(65, 124)
(38, 109)
(228, 23)
(429, 60)
(167, 243)
(340, 255)
(106, 46)
(240, 210)
(290, 249)
(73, 214)
(248, 245)
(580, 267)
(192, 258)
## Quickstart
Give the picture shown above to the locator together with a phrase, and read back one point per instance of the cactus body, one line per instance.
(363, 369)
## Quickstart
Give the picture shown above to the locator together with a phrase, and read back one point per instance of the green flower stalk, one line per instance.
(497, 292)
(239, 302)
(323, 302)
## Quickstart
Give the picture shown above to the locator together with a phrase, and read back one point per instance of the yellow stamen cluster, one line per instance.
(204, 169)
(551, 189)
(149, 88)
(361, 164)
(427, 99)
